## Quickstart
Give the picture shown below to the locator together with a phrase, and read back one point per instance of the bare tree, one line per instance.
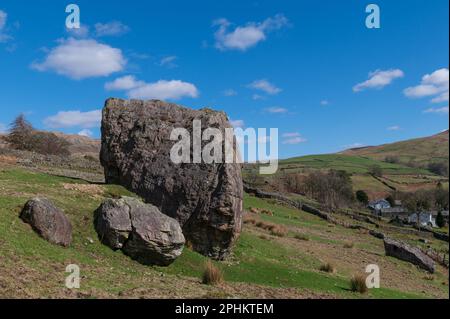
(20, 133)
(23, 136)
(333, 188)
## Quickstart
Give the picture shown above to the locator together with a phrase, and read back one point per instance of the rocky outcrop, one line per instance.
(407, 253)
(206, 199)
(140, 230)
(48, 221)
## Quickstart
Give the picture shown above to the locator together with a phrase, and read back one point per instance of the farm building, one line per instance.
(425, 219)
(379, 204)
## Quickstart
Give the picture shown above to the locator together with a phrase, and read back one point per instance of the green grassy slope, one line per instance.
(263, 264)
(422, 150)
(351, 164)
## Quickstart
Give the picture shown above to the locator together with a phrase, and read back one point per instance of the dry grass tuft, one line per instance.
(429, 277)
(189, 245)
(212, 275)
(358, 284)
(328, 267)
(8, 159)
(349, 245)
(279, 231)
(274, 229)
(301, 237)
(249, 220)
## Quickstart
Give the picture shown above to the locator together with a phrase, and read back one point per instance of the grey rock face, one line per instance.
(140, 230)
(206, 199)
(407, 253)
(48, 221)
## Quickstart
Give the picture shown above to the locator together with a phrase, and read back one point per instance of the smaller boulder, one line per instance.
(407, 253)
(140, 230)
(48, 221)
(113, 223)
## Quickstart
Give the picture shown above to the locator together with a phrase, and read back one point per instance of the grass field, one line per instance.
(421, 150)
(395, 176)
(348, 163)
(261, 266)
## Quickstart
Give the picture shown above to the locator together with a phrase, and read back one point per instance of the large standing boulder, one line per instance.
(206, 199)
(407, 253)
(48, 221)
(140, 230)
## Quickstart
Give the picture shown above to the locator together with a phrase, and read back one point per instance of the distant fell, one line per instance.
(419, 151)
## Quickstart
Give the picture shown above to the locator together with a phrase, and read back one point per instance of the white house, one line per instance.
(425, 219)
(379, 204)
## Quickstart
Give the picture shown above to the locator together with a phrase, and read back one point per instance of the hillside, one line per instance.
(263, 265)
(410, 173)
(285, 263)
(350, 163)
(81, 145)
(77, 145)
(421, 150)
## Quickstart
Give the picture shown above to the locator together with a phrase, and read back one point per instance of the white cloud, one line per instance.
(245, 37)
(86, 132)
(127, 82)
(229, 92)
(421, 91)
(3, 36)
(393, 128)
(113, 28)
(379, 79)
(276, 110)
(169, 61)
(81, 32)
(237, 123)
(3, 17)
(435, 84)
(79, 59)
(438, 110)
(293, 138)
(293, 134)
(66, 119)
(354, 145)
(265, 86)
(324, 102)
(161, 90)
(441, 98)
(257, 97)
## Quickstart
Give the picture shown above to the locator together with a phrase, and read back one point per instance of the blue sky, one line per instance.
(310, 68)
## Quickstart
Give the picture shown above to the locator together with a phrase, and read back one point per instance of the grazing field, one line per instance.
(264, 264)
(420, 151)
(394, 176)
(348, 163)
